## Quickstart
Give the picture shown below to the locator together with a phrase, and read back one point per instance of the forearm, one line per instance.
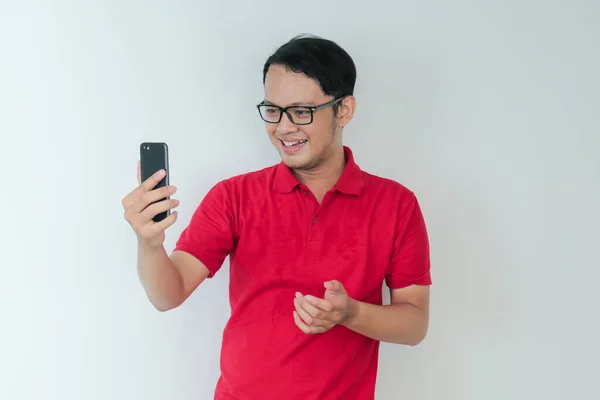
(160, 278)
(401, 323)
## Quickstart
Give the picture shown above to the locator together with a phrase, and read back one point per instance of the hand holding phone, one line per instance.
(148, 207)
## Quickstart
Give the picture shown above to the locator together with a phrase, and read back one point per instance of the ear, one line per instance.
(345, 111)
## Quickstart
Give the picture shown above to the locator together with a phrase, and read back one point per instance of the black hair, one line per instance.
(320, 59)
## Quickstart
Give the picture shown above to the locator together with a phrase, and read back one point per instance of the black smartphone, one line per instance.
(154, 157)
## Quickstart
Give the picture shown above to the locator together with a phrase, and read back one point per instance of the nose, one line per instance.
(286, 126)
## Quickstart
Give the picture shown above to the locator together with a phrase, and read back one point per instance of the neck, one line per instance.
(324, 177)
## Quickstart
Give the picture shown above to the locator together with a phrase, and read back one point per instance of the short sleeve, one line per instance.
(410, 260)
(209, 237)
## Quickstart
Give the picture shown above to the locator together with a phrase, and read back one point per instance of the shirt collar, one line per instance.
(351, 181)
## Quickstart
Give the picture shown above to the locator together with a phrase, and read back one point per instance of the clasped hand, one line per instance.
(315, 315)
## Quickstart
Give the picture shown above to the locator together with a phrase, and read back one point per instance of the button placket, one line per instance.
(314, 218)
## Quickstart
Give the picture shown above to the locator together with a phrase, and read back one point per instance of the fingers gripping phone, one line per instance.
(154, 157)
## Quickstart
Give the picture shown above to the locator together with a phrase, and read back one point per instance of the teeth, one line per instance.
(288, 144)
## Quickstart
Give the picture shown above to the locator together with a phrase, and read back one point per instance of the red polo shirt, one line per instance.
(281, 241)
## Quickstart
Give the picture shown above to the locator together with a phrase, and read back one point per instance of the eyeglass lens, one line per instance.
(298, 115)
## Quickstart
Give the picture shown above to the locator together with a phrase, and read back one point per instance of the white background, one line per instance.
(487, 110)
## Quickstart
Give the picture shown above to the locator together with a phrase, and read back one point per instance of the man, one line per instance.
(311, 242)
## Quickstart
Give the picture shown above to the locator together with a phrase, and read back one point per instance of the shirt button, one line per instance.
(305, 193)
(315, 220)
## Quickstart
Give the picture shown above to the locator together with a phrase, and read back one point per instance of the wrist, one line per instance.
(149, 247)
(354, 307)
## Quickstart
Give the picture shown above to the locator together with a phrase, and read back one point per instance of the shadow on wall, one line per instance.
(468, 258)
(467, 310)
(198, 336)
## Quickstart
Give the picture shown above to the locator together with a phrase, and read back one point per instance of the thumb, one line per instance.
(335, 287)
(139, 173)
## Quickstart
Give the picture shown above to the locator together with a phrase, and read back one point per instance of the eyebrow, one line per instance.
(297, 103)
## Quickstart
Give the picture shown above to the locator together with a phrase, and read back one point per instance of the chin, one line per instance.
(305, 162)
(292, 161)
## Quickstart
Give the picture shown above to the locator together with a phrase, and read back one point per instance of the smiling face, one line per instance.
(302, 147)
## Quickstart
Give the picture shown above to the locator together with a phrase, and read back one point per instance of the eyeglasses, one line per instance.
(298, 115)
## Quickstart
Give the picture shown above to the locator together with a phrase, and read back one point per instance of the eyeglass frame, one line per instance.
(285, 110)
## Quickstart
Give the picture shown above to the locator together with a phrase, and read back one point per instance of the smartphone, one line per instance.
(154, 157)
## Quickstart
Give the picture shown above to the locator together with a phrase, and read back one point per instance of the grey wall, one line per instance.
(487, 110)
